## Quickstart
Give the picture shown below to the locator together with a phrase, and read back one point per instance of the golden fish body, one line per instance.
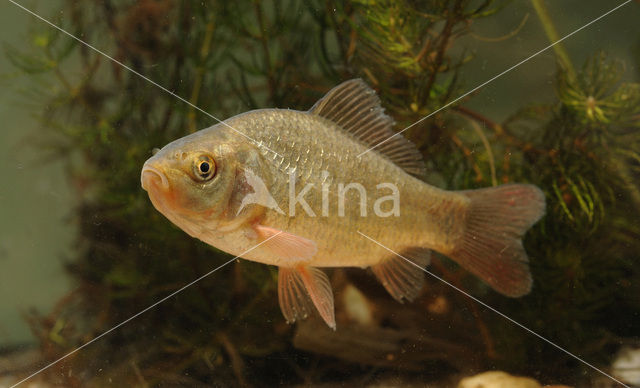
(302, 190)
(323, 156)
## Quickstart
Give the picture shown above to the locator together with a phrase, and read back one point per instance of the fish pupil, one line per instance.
(204, 167)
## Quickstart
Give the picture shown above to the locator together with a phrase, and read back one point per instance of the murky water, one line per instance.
(50, 212)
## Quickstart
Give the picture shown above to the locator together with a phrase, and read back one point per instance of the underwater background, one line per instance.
(82, 249)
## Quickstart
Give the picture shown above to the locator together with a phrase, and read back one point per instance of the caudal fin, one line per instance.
(491, 247)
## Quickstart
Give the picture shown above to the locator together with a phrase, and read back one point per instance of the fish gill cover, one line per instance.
(580, 147)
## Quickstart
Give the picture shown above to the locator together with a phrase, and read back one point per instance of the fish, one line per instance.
(335, 186)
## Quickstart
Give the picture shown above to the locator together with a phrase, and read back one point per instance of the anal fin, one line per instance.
(300, 288)
(401, 278)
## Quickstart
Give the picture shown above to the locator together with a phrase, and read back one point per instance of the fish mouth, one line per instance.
(151, 176)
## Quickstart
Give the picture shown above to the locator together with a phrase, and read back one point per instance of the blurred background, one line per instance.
(69, 115)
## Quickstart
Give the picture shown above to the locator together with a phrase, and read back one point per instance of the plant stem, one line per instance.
(487, 146)
(552, 34)
(195, 93)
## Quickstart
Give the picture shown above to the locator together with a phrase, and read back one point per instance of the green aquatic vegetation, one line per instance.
(229, 57)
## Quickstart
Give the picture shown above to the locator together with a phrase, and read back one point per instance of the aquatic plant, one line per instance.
(228, 57)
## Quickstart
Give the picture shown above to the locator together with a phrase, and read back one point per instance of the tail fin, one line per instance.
(491, 247)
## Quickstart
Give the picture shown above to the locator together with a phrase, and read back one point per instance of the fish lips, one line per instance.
(153, 177)
(155, 182)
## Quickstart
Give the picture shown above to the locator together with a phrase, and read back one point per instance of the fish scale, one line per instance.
(342, 163)
(243, 201)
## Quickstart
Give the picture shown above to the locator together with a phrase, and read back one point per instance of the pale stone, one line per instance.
(497, 379)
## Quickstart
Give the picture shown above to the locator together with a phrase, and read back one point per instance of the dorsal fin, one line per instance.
(355, 107)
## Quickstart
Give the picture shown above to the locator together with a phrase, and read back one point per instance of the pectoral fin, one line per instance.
(286, 246)
(400, 277)
(302, 287)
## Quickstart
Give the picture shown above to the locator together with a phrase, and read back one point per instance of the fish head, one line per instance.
(190, 181)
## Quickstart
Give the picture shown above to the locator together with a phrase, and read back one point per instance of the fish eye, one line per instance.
(204, 168)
